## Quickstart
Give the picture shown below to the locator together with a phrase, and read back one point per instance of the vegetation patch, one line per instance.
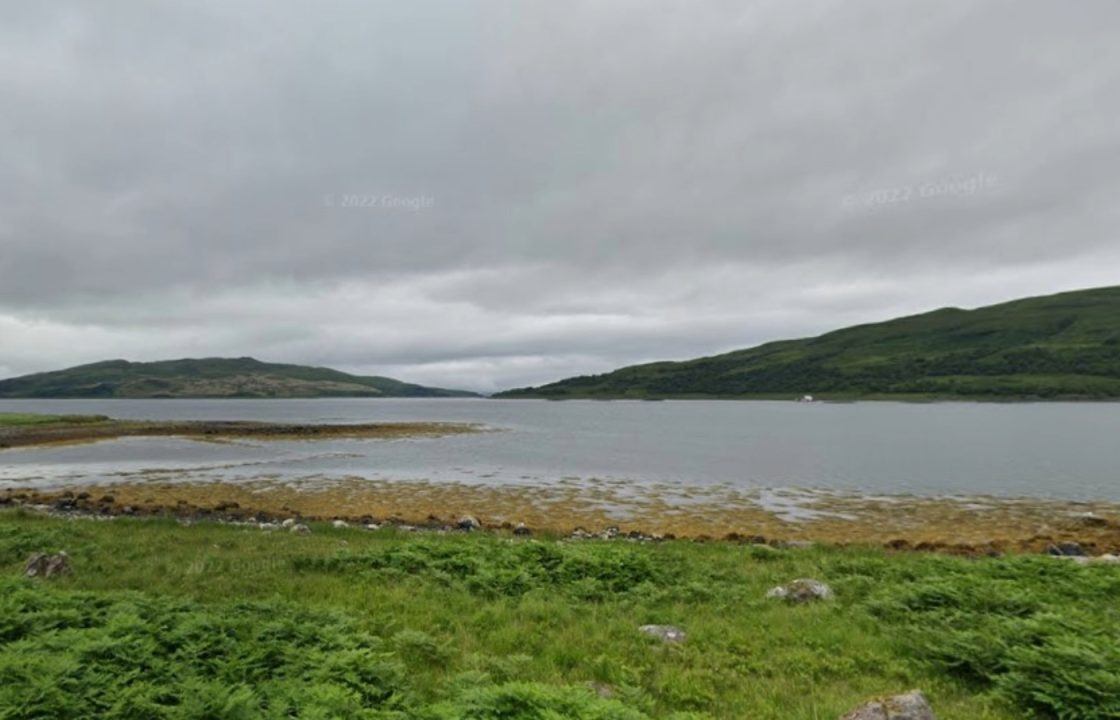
(225, 621)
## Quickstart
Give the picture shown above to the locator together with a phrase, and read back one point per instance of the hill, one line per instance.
(1064, 346)
(208, 377)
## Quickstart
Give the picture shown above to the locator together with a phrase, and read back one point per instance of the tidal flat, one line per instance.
(30, 430)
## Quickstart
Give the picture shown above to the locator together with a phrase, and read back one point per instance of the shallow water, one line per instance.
(1055, 450)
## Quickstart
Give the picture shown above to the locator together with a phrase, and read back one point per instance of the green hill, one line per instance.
(208, 377)
(1063, 346)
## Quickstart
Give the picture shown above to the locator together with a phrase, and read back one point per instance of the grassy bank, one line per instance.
(33, 419)
(162, 620)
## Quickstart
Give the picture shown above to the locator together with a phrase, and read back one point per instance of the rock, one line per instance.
(1106, 559)
(522, 530)
(468, 523)
(340, 524)
(610, 533)
(911, 706)
(372, 526)
(1090, 519)
(267, 526)
(288, 523)
(603, 690)
(795, 544)
(580, 534)
(801, 590)
(47, 566)
(665, 633)
(300, 529)
(1068, 549)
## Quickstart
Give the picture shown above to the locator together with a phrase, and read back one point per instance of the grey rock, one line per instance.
(522, 530)
(288, 523)
(1067, 549)
(1090, 519)
(801, 590)
(665, 633)
(910, 706)
(47, 566)
(300, 529)
(340, 524)
(468, 523)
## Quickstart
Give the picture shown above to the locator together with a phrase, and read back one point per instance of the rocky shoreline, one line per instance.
(1084, 537)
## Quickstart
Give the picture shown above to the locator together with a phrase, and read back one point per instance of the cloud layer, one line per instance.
(499, 193)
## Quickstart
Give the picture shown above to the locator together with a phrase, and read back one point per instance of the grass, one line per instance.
(218, 621)
(24, 419)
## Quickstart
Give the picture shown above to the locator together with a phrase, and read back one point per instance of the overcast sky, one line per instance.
(493, 194)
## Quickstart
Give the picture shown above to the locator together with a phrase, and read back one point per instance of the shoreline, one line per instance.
(962, 526)
(88, 431)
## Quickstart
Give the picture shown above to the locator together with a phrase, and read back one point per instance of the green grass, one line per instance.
(1061, 346)
(160, 620)
(14, 419)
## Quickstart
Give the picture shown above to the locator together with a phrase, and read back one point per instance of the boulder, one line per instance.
(910, 706)
(340, 524)
(47, 566)
(665, 633)
(801, 590)
(522, 529)
(288, 523)
(468, 523)
(300, 529)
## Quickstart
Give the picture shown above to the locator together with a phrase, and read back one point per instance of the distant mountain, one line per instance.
(209, 377)
(1055, 347)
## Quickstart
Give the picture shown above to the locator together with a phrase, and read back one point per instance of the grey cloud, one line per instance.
(604, 182)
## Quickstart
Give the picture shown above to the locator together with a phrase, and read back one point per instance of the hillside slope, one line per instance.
(1059, 346)
(208, 377)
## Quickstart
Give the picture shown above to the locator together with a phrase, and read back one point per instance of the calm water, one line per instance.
(1064, 450)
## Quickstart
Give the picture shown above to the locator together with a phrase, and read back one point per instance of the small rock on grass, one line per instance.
(522, 530)
(910, 706)
(288, 523)
(468, 523)
(300, 529)
(47, 566)
(665, 633)
(801, 590)
(340, 524)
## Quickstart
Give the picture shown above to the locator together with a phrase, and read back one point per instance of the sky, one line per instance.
(484, 195)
